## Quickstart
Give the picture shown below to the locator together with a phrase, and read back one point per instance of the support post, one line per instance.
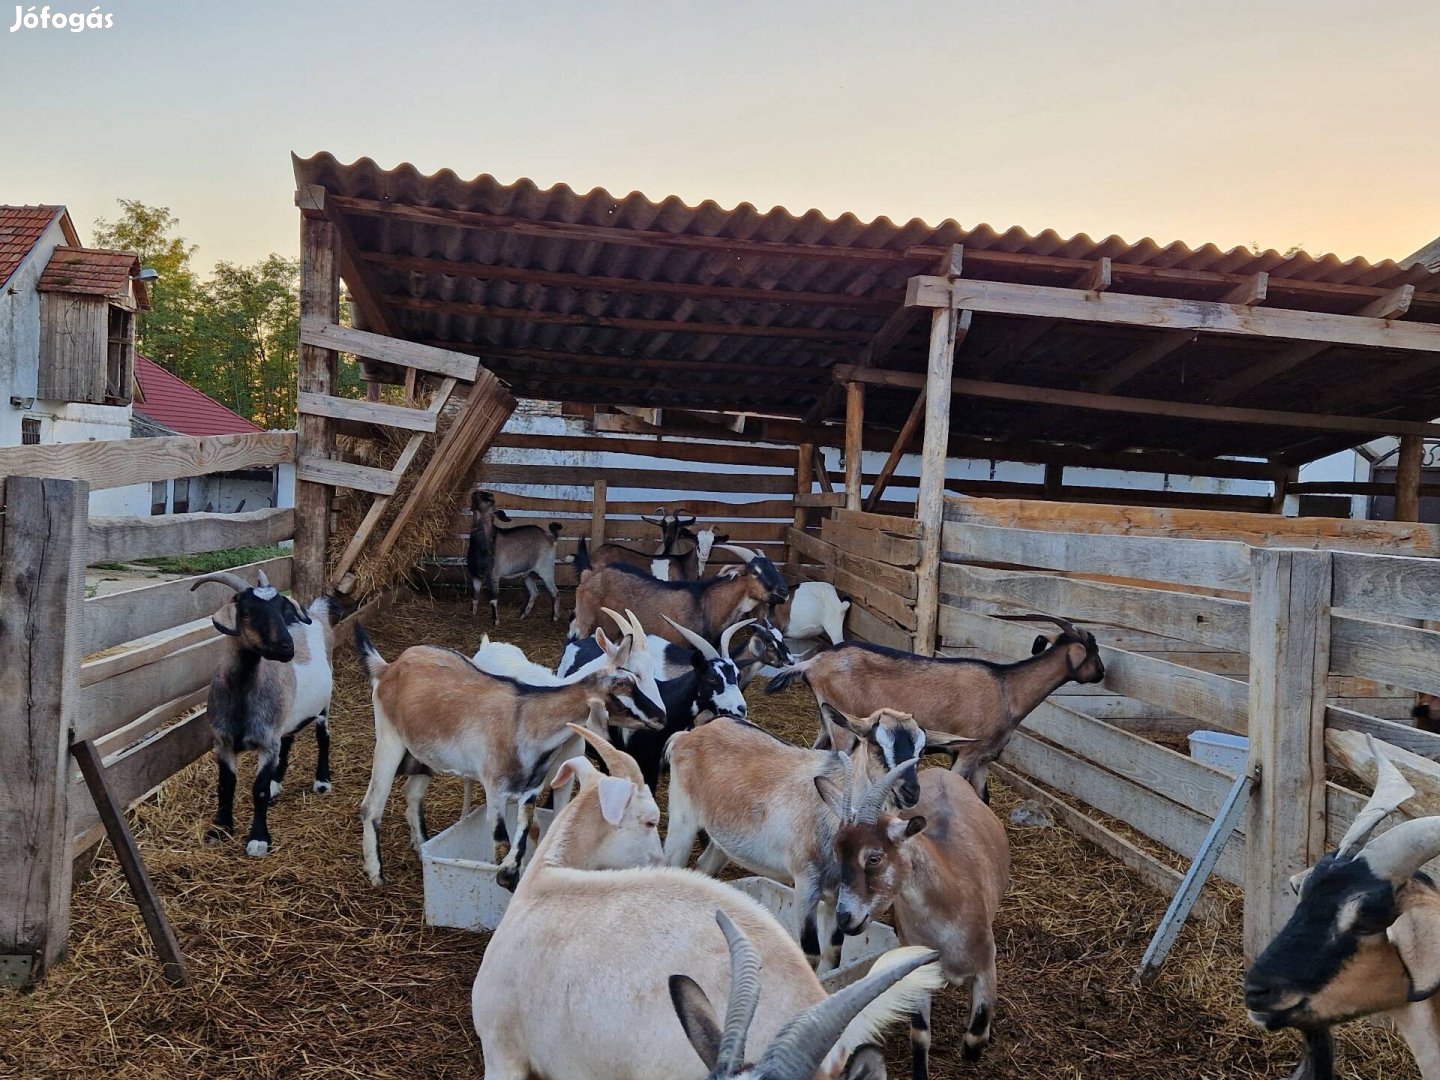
(1289, 661)
(854, 442)
(930, 503)
(804, 464)
(597, 515)
(319, 297)
(1407, 478)
(902, 443)
(1282, 489)
(42, 590)
(1054, 480)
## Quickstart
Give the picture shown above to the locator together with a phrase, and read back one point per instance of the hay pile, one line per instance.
(301, 970)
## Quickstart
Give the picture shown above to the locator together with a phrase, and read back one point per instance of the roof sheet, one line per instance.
(175, 404)
(92, 271)
(20, 230)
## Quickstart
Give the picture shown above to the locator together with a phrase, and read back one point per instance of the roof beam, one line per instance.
(1098, 278)
(815, 373)
(1179, 410)
(1127, 309)
(610, 322)
(877, 303)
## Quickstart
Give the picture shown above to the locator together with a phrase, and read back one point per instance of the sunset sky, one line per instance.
(1274, 122)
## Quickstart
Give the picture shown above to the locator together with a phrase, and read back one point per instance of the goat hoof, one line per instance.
(257, 849)
(275, 789)
(321, 787)
(972, 1051)
(217, 834)
(507, 878)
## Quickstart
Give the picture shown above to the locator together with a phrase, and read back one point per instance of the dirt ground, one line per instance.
(301, 969)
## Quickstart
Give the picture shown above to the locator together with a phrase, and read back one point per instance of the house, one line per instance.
(67, 339)
(167, 405)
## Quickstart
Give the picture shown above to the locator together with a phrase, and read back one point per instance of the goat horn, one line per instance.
(620, 623)
(802, 1044)
(224, 577)
(698, 643)
(744, 996)
(1064, 624)
(1391, 789)
(617, 762)
(876, 795)
(730, 633)
(1397, 854)
(744, 552)
(635, 622)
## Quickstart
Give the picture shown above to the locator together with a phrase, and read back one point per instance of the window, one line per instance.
(29, 431)
(120, 355)
(180, 502)
(158, 492)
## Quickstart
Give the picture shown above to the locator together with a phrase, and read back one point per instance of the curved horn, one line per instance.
(744, 996)
(1064, 624)
(617, 762)
(698, 643)
(878, 793)
(640, 634)
(620, 623)
(802, 1044)
(730, 633)
(224, 577)
(1404, 849)
(682, 512)
(264, 581)
(845, 782)
(1391, 789)
(735, 549)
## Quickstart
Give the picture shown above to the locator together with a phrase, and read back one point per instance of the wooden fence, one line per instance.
(128, 670)
(1295, 633)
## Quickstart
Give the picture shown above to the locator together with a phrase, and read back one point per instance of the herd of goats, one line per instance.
(852, 824)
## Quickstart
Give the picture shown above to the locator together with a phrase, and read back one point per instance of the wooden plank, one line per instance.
(1390, 586)
(891, 523)
(1407, 478)
(146, 724)
(820, 499)
(119, 662)
(111, 704)
(1161, 312)
(842, 570)
(898, 451)
(1402, 735)
(1184, 616)
(1351, 751)
(135, 613)
(122, 539)
(745, 483)
(854, 442)
(597, 514)
(947, 327)
(323, 333)
(1290, 656)
(315, 374)
(1173, 826)
(669, 448)
(116, 463)
(822, 475)
(805, 454)
(903, 583)
(347, 474)
(42, 582)
(1208, 563)
(872, 544)
(1396, 655)
(1150, 870)
(704, 509)
(366, 412)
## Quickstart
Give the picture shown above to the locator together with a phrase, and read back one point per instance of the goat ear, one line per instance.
(576, 768)
(227, 620)
(615, 796)
(832, 795)
(1039, 645)
(852, 724)
(697, 1017)
(1416, 937)
(603, 641)
(721, 538)
(944, 740)
(867, 1063)
(904, 828)
(300, 612)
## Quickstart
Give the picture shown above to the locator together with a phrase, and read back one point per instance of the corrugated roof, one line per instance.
(175, 404)
(20, 230)
(629, 300)
(92, 271)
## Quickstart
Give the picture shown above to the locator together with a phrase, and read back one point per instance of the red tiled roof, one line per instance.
(20, 230)
(178, 405)
(95, 271)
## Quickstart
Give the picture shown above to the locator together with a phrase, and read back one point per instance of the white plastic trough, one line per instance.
(1220, 750)
(460, 887)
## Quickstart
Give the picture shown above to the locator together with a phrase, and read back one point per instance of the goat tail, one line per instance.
(898, 1003)
(370, 658)
(782, 679)
(582, 555)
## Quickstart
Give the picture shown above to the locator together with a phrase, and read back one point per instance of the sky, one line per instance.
(1278, 123)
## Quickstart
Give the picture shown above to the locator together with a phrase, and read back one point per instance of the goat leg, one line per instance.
(920, 1041)
(322, 753)
(1319, 1060)
(492, 590)
(415, 788)
(277, 783)
(531, 592)
(982, 1007)
(223, 827)
(257, 844)
(508, 876)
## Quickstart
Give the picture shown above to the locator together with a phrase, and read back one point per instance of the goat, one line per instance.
(523, 551)
(814, 609)
(754, 796)
(435, 705)
(618, 1023)
(272, 682)
(707, 606)
(1362, 940)
(682, 555)
(944, 867)
(984, 700)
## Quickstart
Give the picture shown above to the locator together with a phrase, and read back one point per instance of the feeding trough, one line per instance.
(460, 887)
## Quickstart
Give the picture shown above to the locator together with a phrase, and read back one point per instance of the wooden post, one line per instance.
(804, 463)
(930, 504)
(854, 442)
(1289, 661)
(319, 296)
(1407, 478)
(1054, 480)
(902, 443)
(42, 590)
(1282, 486)
(597, 515)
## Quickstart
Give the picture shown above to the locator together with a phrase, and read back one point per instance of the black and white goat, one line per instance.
(274, 680)
(495, 554)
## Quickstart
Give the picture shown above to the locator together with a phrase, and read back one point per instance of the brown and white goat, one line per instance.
(942, 866)
(1364, 939)
(436, 706)
(523, 551)
(619, 1022)
(754, 797)
(274, 680)
(977, 698)
(707, 606)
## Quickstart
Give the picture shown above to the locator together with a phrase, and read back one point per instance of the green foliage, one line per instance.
(207, 562)
(234, 335)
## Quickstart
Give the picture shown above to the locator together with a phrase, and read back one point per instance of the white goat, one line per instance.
(814, 609)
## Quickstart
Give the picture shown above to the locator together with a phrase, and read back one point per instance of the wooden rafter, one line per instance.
(492, 353)
(325, 334)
